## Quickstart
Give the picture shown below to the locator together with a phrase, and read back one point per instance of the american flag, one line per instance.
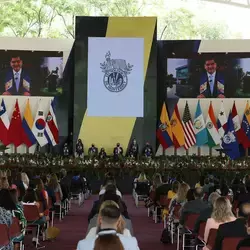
(189, 133)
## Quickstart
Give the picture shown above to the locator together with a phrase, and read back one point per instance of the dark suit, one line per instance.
(236, 228)
(203, 85)
(10, 84)
(243, 198)
(204, 215)
(192, 207)
(244, 243)
(162, 190)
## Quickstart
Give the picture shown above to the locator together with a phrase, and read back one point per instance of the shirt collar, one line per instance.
(213, 75)
(107, 231)
(19, 72)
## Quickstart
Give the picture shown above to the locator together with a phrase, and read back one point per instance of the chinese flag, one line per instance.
(16, 130)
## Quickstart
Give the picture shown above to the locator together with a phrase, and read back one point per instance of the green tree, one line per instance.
(182, 24)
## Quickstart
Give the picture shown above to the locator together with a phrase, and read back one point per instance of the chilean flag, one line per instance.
(51, 130)
(4, 124)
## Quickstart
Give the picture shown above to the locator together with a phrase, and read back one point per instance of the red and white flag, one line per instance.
(241, 136)
(51, 131)
(4, 124)
(188, 128)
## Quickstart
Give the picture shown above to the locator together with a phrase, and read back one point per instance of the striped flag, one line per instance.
(51, 130)
(189, 133)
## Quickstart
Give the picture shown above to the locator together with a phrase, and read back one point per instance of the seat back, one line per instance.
(190, 221)
(164, 201)
(211, 238)
(202, 230)
(142, 188)
(176, 212)
(4, 235)
(58, 198)
(50, 203)
(152, 195)
(15, 229)
(231, 243)
(31, 212)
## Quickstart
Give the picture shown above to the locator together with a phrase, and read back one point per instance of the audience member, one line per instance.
(55, 185)
(172, 193)
(107, 237)
(222, 213)
(236, 228)
(193, 206)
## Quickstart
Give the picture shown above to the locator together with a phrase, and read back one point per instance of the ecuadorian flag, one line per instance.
(27, 123)
(164, 132)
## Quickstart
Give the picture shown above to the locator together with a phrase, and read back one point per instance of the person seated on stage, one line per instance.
(193, 206)
(147, 151)
(133, 149)
(107, 236)
(207, 212)
(120, 228)
(79, 149)
(102, 154)
(222, 213)
(237, 228)
(66, 150)
(109, 195)
(93, 151)
(118, 152)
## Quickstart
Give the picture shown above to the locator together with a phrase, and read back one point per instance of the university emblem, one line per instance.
(115, 73)
(209, 125)
(229, 138)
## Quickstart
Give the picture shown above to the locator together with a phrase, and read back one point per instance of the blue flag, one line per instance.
(200, 127)
(229, 141)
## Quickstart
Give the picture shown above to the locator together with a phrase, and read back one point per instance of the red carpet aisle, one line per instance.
(74, 226)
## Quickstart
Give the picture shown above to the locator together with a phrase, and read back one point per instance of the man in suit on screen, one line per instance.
(212, 83)
(17, 81)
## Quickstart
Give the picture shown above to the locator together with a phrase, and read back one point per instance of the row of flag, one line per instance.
(228, 132)
(26, 130)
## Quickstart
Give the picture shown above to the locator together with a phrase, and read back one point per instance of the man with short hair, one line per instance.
(194, 206)
(237, 228)
(207, 212)
(108, 222)
(17, 81)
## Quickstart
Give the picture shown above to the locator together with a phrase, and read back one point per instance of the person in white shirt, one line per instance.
(108, 237)
(120, 228)
(109, 186)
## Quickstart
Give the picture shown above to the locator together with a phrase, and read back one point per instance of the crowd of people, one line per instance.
(220, 205)
(48, 194)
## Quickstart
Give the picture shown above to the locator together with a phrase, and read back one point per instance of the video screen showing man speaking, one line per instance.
(28, 73)
(208, 76)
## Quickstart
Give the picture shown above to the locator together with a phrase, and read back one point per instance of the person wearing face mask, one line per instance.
(118, 151)
(133, 149)
(65, 150)
(147, 151)
(79, 149)
(211, 82)
(102, 154)
(93, 151)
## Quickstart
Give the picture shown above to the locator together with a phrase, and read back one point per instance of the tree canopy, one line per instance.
(56, 18)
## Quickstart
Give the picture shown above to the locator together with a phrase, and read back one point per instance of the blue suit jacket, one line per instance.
(10, 85)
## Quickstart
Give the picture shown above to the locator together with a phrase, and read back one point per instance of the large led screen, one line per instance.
(29, 73)
(209, 76)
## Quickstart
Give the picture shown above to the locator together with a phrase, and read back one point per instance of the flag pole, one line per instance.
(246, 151)
(199, 151)
(187, 152)
(210, 151)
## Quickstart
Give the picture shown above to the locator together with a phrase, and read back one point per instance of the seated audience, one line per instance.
(55, 185)
(120, 228)
(25, 180)
(193, 206)
(207, 184)
(222, 213)
(172, 193)
(244, 196)
(19, 214)
(4, 183)
(207, 212)
(6, 207)
(236, 228)
(142, 178)
(110, 181)
(224, 190)
(162, 189)
(50, 191)
(107, 237)
(77, 183)
(201, 182)
(42, 196)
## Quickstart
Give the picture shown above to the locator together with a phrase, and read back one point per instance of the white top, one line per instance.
(92, 233)
(211, 79)
(104, 190)
(129, 243)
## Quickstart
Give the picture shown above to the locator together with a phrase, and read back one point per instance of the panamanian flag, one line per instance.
(39, 126)
(51, 129)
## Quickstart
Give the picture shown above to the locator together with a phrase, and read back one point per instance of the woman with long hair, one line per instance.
(55, 185)
(42, 196)
(222, 213)
(25, 180)
(121, 225)
(4, 183)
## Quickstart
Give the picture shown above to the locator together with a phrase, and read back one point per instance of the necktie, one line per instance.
(17, 80)
(211, 84)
